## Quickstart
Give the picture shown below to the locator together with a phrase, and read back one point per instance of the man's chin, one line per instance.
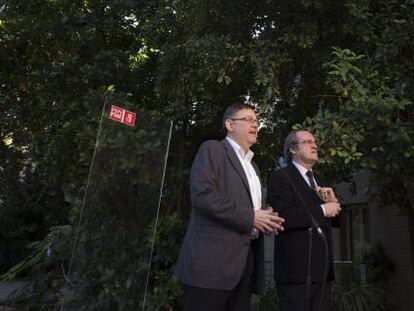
(315, 158)
(311, 161)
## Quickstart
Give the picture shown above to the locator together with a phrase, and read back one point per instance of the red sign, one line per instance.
(123, 116)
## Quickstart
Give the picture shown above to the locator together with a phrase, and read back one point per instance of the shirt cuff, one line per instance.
(323, 209)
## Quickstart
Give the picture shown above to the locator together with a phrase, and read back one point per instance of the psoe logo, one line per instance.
(122, 116)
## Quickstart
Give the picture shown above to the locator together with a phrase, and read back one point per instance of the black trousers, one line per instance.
(237, 299)
(292, 297)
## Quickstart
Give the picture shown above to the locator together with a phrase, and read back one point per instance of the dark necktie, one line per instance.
(311, 180)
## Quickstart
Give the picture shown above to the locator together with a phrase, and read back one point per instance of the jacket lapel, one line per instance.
(300, 181)
(234, 160)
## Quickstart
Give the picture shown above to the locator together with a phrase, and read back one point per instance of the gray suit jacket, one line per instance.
(216, 244)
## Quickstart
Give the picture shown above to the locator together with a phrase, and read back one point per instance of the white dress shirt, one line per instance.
(252, 178)
(302, 171)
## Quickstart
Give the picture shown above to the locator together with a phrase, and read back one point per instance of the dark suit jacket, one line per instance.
(216, 244)
(292, 245)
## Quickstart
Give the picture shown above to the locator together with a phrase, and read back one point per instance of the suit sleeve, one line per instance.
(283, 199)
(207, 196)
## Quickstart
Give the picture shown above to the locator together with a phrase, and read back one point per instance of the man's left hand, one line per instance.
(326, 194)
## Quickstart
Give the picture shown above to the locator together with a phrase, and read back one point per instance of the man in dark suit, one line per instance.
(303, 266)
(222, 257)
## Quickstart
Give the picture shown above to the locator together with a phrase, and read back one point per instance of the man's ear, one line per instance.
(229, 125)
(292, 151)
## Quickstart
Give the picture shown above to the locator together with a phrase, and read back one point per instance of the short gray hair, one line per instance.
(290, 140)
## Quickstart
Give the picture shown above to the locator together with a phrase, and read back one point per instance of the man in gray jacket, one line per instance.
(222, 257)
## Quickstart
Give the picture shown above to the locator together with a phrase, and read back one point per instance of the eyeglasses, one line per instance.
(249, 119)
(307, 142)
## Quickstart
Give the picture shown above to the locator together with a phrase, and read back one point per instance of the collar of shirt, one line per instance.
(302, 171)
(239, 150)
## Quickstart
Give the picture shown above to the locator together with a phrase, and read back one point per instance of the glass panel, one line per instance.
(112, 252)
